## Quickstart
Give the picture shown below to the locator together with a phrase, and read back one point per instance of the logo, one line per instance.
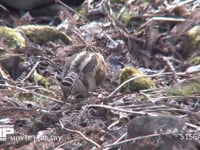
(5, 130)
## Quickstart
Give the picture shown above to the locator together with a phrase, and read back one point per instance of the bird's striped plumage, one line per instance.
(83, 72)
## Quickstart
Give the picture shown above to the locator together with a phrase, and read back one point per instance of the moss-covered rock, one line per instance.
(191, 41)
(40, 34)
(137, 84)
(190, 88)
(11, 37)
(10, 64)
(196, 60)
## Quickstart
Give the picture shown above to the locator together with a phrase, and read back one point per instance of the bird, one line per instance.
(83, 72)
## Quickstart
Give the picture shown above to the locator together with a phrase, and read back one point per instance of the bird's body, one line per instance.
(83, 72)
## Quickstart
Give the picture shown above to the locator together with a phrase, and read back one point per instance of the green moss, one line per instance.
(45, 82)
(11, 37)
(196, 60)
(137, 84)
(129, 19)
(188, 89)
(125, 17)
(129, 72)
(194, 34)
(41, 34)
(142, 83)
(191, 41)
(83, 11)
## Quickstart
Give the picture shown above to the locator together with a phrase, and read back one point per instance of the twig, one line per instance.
(193, 126)
(122, 110)
(170, 110)
(131, 79)
(52, 63)
(146, 95)
(169, 66)
(171, 19)
(80, 133)
(76, 31)
(179, 4)
(117, 24)
(72, 10)
(90, 4)
(121, 85)
(118, 140)
(137, 138)
(67, 143)
(161, 19)
(27, 91)
(153, 75)
(137, 106)
(29, 74)
(4, 8)
(173, 97)
(13, 103)
(112, 126)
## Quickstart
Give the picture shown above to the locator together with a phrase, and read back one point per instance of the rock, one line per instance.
(32, 4)
(11, 38)
(40, 34)
(137, 84)
(191, 42)
(148, 125)
(10, 64)
(26, 4)
(51, 10)
(190, 87)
